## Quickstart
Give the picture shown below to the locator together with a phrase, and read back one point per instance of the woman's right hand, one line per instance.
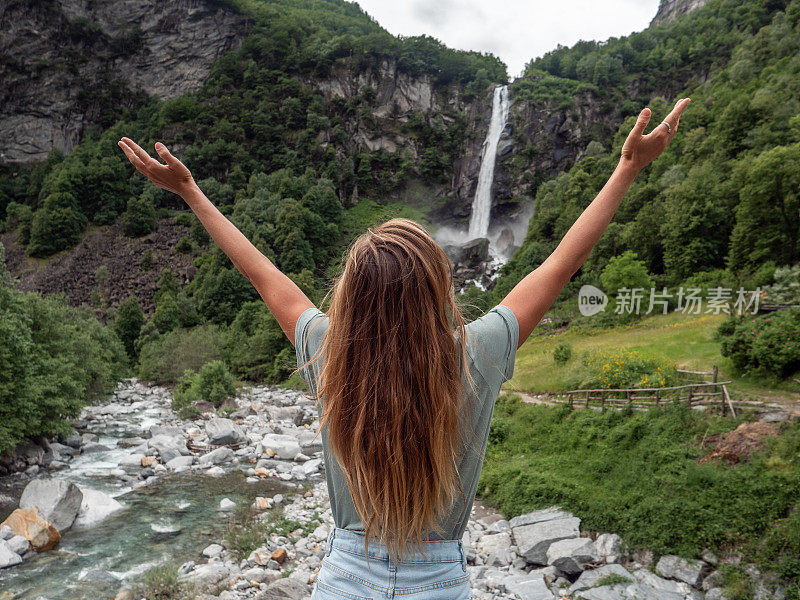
(640, 150)
(174, 176)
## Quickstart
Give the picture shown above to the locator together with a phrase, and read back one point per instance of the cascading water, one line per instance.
(482, 203)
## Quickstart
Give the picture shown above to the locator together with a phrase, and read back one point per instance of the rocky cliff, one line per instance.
(68, 64)
(670, 9)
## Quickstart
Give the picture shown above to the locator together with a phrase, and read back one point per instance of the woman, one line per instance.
(406, 389)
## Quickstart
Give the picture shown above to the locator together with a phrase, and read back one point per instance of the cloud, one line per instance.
(514, 30)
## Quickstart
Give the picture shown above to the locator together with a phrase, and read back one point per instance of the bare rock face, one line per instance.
(68, 64)
(671, 9)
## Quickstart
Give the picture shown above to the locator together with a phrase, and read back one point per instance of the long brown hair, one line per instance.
(391, 382)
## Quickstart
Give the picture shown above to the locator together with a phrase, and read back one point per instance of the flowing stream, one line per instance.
(171, 519)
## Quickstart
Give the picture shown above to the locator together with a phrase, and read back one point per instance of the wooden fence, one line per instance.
(706, 393)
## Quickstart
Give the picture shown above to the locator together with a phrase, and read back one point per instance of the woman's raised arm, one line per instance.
(532, 297)
(284, 299)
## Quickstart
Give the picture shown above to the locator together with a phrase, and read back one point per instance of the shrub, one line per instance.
(766, 344)
(254, 341)
(214, 383)
(147, 262)
(128, 323)
(625, 271)
(55, 228)
(184, 246)
(53, 360)
(562, 353)
(623, 369)
(163, 359)
(19, 216)
(139, 218)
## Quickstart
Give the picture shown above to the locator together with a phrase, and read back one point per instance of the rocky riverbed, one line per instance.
(137, 487)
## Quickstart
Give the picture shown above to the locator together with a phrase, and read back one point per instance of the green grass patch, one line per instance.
(636, 473)
(251, 529)
(685, 340)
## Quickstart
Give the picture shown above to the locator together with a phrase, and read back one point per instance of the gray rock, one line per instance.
(590, 578)
(169, 447)
(572, 554)
(529, 587)
(223, 431)
(96, 507)
(8, 558)
(498, 544)
(284, 589)
(213, 550)
(208, 574)
(675, 567)
(538, 516)
(170, 431)
(667, 588)
(534, 540)
(19, 544)
(6, 533)
(131, 460)
(95, 447)
(131, 442)
(286, 446)
(58, 501)
(216, 457)
(609, 547)
(180, 463)
(716, 594)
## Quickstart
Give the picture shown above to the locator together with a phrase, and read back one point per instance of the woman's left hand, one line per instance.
(640, 150)
(173, 176)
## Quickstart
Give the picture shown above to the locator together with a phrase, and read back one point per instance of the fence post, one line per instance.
(628, 397)
(658, 393)
(570, 400)
(689, 398)
(587, 398)
(603, 400)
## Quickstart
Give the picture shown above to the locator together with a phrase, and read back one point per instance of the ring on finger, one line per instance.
(669, 127)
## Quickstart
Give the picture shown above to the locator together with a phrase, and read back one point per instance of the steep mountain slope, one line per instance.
(720, 206)
(67, 65)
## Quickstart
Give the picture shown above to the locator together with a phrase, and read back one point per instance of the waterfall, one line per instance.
(482, 203)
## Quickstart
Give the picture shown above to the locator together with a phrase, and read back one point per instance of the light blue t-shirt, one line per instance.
(491, 350)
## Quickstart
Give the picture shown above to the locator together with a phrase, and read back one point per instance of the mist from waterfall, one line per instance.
(482, 203)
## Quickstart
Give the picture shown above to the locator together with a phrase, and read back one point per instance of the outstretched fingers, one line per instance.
(641, 122)
(132, 157)
(674, 117)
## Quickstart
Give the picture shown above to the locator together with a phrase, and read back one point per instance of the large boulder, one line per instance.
(534, 540)
(168, 446)
(285, 588)
(58, 501)
(539, 516)
(223, 431)
(530, 587)
(675, 567)
(286, 446)
(572, 554)
(609, 547)
(96, 507)
(497, 546)
(216, 457)
(590, 578)
(29, 524)
(8, 558)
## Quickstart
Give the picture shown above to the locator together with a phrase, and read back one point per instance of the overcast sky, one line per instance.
(514, 30)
